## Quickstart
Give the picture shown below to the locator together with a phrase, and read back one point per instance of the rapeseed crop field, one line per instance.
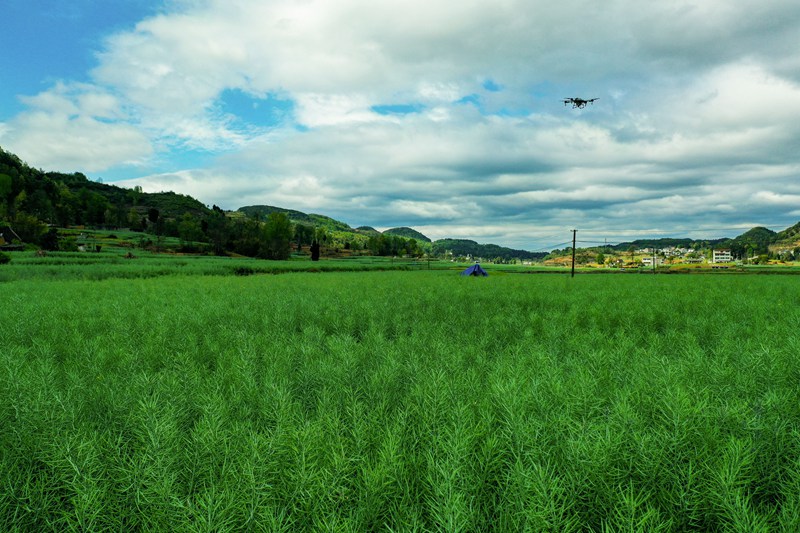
(400, 401)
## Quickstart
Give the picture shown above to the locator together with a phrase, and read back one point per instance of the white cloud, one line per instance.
(436, 210)
(678, 122)
(778, 200)
(316, 110)
(592, 193)
(69, 128)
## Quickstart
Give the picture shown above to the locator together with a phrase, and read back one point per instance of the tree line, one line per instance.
(36, 202)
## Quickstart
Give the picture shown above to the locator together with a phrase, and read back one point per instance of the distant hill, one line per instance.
(408, 233)
(263, 211)
(368, 230)
(328, 223)
(464, 247)
(790, 235)
(666, 243)
(72, 199)
(755, 241)
(758, 234)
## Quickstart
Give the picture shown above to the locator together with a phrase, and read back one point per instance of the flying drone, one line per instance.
(578, 103)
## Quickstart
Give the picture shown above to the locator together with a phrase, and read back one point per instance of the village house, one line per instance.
(673, 251)
(722, 255)
(648, 260)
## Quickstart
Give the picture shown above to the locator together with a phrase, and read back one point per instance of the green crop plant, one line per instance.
(358, 401)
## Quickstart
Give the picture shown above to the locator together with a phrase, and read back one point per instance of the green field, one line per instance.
(396, 400)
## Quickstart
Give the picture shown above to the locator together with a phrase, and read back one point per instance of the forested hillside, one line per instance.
(338, 235)
(35, 202)
(755, 241)
(297, 217)
(667, 242)
(464, 247)
(408, 233)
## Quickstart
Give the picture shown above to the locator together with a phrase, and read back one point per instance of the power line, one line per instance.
(551, 247)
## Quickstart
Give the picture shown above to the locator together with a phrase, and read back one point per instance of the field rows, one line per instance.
(403, 401)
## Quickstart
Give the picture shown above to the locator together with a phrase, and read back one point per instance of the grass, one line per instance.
(401, 401)
(65, 266)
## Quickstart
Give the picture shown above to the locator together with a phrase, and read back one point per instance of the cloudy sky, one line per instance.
(443, 115)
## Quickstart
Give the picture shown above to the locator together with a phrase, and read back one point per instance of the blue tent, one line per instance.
(475, 270)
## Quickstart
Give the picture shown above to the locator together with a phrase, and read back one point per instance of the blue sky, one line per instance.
(440, 115)
(48, 40)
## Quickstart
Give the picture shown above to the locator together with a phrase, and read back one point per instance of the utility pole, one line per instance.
(574, 232)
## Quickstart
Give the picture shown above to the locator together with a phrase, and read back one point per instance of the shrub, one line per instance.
(49, 240)
(243, 271)
(4, 259)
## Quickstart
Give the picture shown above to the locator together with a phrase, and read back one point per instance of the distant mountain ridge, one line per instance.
(755, 241)
(408, 233)
(465, 247)
(458, 247)
(263, 211)
(790, 235)
(73, 199)
(666, 243)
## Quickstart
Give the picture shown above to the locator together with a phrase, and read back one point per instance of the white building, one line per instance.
(648, 260)
(721, 256)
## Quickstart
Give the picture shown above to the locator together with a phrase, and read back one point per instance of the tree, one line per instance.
(278, 233)
(218, 231)
(189, 229)
(582, 257)
(153, 215)
(6, 186)
(49, 240)
(303, 235)
(96, 208)
(135, 194)
(600, 259)
(40, 206)
(68, 206)
(134, 221)
(20, 203)
(248, 237)
(28, 227)
(320, 236)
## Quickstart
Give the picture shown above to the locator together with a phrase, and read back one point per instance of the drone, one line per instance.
(578, 103)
